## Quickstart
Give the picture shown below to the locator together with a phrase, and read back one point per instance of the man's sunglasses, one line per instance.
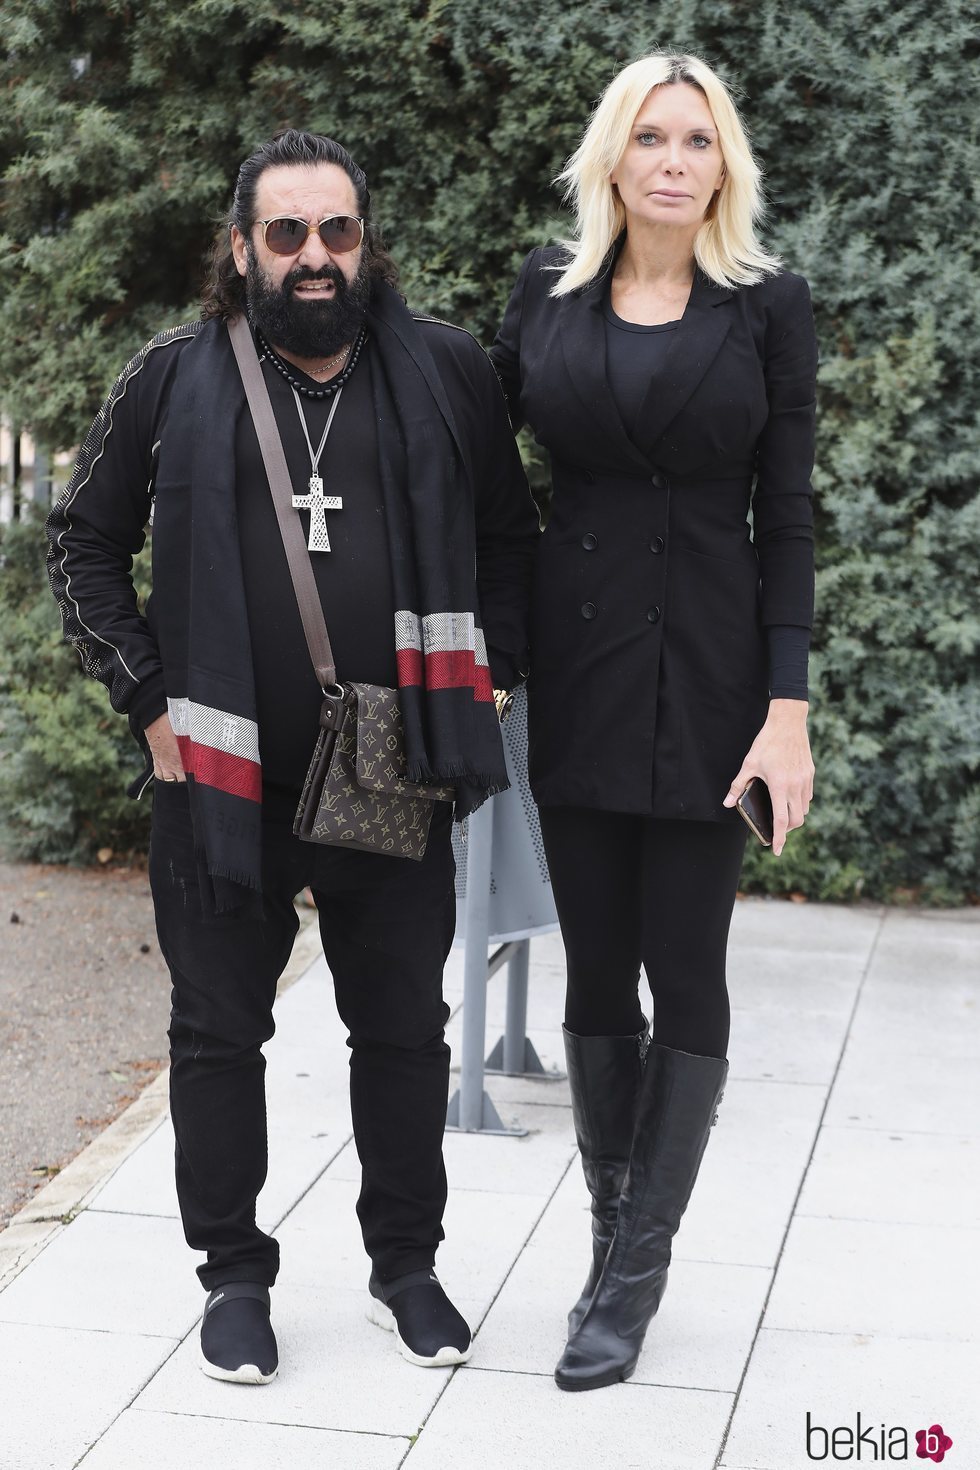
(287, 236)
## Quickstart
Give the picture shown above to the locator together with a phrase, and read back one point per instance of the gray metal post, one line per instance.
(479, 845)
(515, 1028)
(470, 1109)
(514, 1055)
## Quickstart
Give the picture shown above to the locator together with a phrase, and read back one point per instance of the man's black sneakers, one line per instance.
(237, 1340)
(427, 1327)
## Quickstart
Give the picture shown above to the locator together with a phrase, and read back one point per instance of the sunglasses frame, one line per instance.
(310, 230)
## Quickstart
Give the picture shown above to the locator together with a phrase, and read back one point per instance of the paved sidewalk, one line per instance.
(827, 1264)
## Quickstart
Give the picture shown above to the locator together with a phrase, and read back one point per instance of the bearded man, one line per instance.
(421, 553)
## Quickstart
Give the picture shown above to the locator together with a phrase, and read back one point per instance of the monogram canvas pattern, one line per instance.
(355, 793)
(380, 756)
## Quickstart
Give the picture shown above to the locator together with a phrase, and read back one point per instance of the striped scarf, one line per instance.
(451, 729)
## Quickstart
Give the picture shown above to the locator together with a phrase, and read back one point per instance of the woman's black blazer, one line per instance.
(649, 675)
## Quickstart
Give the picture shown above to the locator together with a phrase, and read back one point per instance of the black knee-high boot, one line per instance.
(676, 1108)
(604, 1079)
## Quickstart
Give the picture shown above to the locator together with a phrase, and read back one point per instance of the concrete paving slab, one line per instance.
(547, 957)
(786, 1045)
(315, 996)
(142, 1439)
(487, 1420)
(857, 1276)
(320, 1239)
(110, 1273)
(882, 1027)
(806, 927)
(316, 1055)
(22, 1242)
(547, 1043)
(700, 1339)
(932, 929)
(826, 928)
(530, 1165)
(337, 1371)
(309, 1123)
(922, 994)
(783, 975)
(759, 975)
(307, 1131)
(305, 1134)
(891, 1382)
(751, 1173)
(485, 1234)
(518, 1094)
(941, 986)
(63, 1387)
(76, 1184)
(321, 1245)
(865, 1174)
(545, 1000)
(906, 1093)
(749, 1179)
(144, 1184)
(518, 1242)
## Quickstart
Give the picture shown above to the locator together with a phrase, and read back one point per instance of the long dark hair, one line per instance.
(223, 294)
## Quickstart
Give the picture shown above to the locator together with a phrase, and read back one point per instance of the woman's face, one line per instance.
(672, 165)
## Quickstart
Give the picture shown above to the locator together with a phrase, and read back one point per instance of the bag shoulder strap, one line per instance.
(290, 527)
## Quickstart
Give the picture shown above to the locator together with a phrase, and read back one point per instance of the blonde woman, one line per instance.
(668, 364)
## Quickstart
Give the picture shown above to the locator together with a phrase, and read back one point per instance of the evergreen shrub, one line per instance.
(65, 757)
(124, 123)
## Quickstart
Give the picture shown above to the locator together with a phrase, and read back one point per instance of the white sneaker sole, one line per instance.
(247, 1373)
(446, 1357)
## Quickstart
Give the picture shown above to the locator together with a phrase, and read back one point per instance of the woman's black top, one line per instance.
(635, 356)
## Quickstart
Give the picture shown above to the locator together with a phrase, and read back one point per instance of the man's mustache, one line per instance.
(304, 273)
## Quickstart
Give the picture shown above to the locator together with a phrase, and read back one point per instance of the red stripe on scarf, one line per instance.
(409, 662)
(454, 670)
(231, 773)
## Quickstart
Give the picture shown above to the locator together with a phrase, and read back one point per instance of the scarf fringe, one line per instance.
(419, 770)
(235, 875)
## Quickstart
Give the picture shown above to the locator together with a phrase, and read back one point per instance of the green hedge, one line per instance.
(864, 114)
(65, 757)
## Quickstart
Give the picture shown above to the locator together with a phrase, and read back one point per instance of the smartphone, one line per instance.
(754, 806)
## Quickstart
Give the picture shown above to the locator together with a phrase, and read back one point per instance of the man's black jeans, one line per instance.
(386, 925)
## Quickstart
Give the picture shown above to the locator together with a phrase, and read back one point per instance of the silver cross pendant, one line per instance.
(317, 503)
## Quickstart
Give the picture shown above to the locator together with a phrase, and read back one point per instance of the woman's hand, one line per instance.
(160, 737)
(780, 755)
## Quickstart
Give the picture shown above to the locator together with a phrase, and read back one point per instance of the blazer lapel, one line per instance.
(697, 341)
(583, 344)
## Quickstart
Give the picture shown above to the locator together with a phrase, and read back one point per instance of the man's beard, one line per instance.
(304, 327)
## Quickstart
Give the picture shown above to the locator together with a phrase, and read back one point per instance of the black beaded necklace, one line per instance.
(300, 386)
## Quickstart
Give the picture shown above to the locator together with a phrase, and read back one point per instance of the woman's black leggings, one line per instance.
(632, 890)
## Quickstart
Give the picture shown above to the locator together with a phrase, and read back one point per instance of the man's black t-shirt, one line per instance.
(353, 578)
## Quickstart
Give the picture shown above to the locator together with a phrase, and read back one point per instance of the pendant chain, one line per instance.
(315, 458)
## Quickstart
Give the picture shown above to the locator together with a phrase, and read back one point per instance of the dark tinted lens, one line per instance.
(285, 236)
(341, 233)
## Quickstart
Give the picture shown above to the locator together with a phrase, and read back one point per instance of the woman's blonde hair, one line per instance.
(726, 246)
